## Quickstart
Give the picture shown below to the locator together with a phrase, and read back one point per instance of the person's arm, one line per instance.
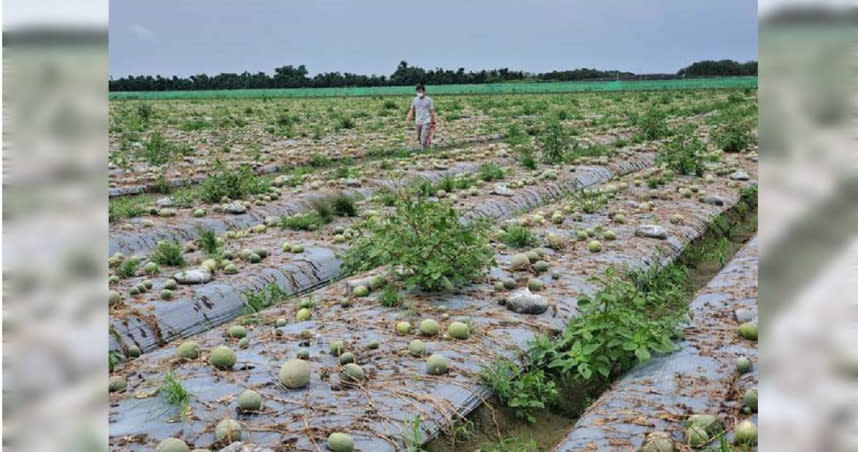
(433, 117)
(432, 110)
(410, 112)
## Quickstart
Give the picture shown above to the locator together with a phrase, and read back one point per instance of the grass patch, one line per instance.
(168, 253)
(518, 236)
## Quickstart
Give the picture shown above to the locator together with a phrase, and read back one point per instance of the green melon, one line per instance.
(210, 265)
(535, 285)
(520, 261)
(116, 384)
(436, 365)
(199, 213)
(172, 445)
(280, 322)
(594, 246)
(458, 330)
(166, 294)
(745, 432)
(751, 398)
(353, 372)
(339, 238)
(134, 351)
(429, 327)
(696, 436)
(416, 347)
(254, 258)
(748, 331)
(297, 248)
(581, 235)
(244, 342)
(188, 350)
(347, 357)
(403, 328)
(222, 357)
(336, 348)
(249, 400)
(557, 241)
(151, 268)
(303, 315)
(360, 291)
(230, 269)
(113, 298)
(340, 442)
(609, 235)
(286, 247)
(508, 283)
(295, 373)
(658, 442)
(743, 365)
(620, 218)
(303, 354)
(171, 284)
(710, 423)
(227, 431)
(540, 266)
(532, 256)
(372, 345)
(237, 331)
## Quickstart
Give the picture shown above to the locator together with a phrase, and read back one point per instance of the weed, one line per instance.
(255, 301)
(527, 393)
(125, 207)
(208, 241)
(518, 236)
(589, 201)
(511, 444)
(343, 205)
(175, 394)
(232, 184)
(414, 435)
(302, 222)
(684, 153)
(526, 158)
(653, 124)
(554, 142)
(427, 240)
(168, 253)
(390, 297)
(490, 172)
(128, 268)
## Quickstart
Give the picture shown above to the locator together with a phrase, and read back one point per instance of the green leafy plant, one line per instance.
(589, 201)
(528, 393)
(526, 158)
(128, 268)
(511, 444)
(390, 297)
(490, 172)
(255, 301)
(684, 153)
(414, 435)
(208, 241)
(620, 325)
(518, 236)
(653, 124)
(734, 136)
(554, 142)
(174, 393)
(427, 241)
(232, 184)
(168, 253)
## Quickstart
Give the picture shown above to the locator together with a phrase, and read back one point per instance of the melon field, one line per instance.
(568, 271)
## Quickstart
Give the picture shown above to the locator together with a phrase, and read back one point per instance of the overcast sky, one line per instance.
(186, 37)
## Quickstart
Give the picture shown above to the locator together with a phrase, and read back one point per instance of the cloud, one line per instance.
(141, 31)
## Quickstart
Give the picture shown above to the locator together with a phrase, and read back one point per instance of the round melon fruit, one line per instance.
(353, 372)
(745, 432)
(222, 357)
(295, 373)
(696, 436)
(436, 365)
(303, 315)
(751, 399)
(416, 347)
(458, 330)
(336, 348)
(594, 246)
(172, 445)
(347, 357)
(340, 442)
(228, 431)
(748, 331)
(743, 365)
(188, 350)
(249, 400)
(403, 328)
(429, 327)
(237, 331)
(658, 442)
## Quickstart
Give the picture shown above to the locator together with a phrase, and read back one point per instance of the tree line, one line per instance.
(298, 77)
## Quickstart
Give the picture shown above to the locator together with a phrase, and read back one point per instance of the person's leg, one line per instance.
(420, 134)
(424, 135)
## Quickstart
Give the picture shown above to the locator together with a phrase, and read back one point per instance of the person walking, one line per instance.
(423, 111)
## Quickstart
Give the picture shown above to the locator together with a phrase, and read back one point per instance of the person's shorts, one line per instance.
(423, 134)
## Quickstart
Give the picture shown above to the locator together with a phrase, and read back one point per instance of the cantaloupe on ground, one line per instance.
(353, 372)
(172, 445)
(249, 400)
(222, 357)
(228, 431)
(745, 432)
(436, 365)
(429, 327)
(340, 442)
(188, 350)
(403, 327)
(295, 373)
(458, 330)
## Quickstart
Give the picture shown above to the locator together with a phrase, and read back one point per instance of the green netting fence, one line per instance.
(489, 88)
